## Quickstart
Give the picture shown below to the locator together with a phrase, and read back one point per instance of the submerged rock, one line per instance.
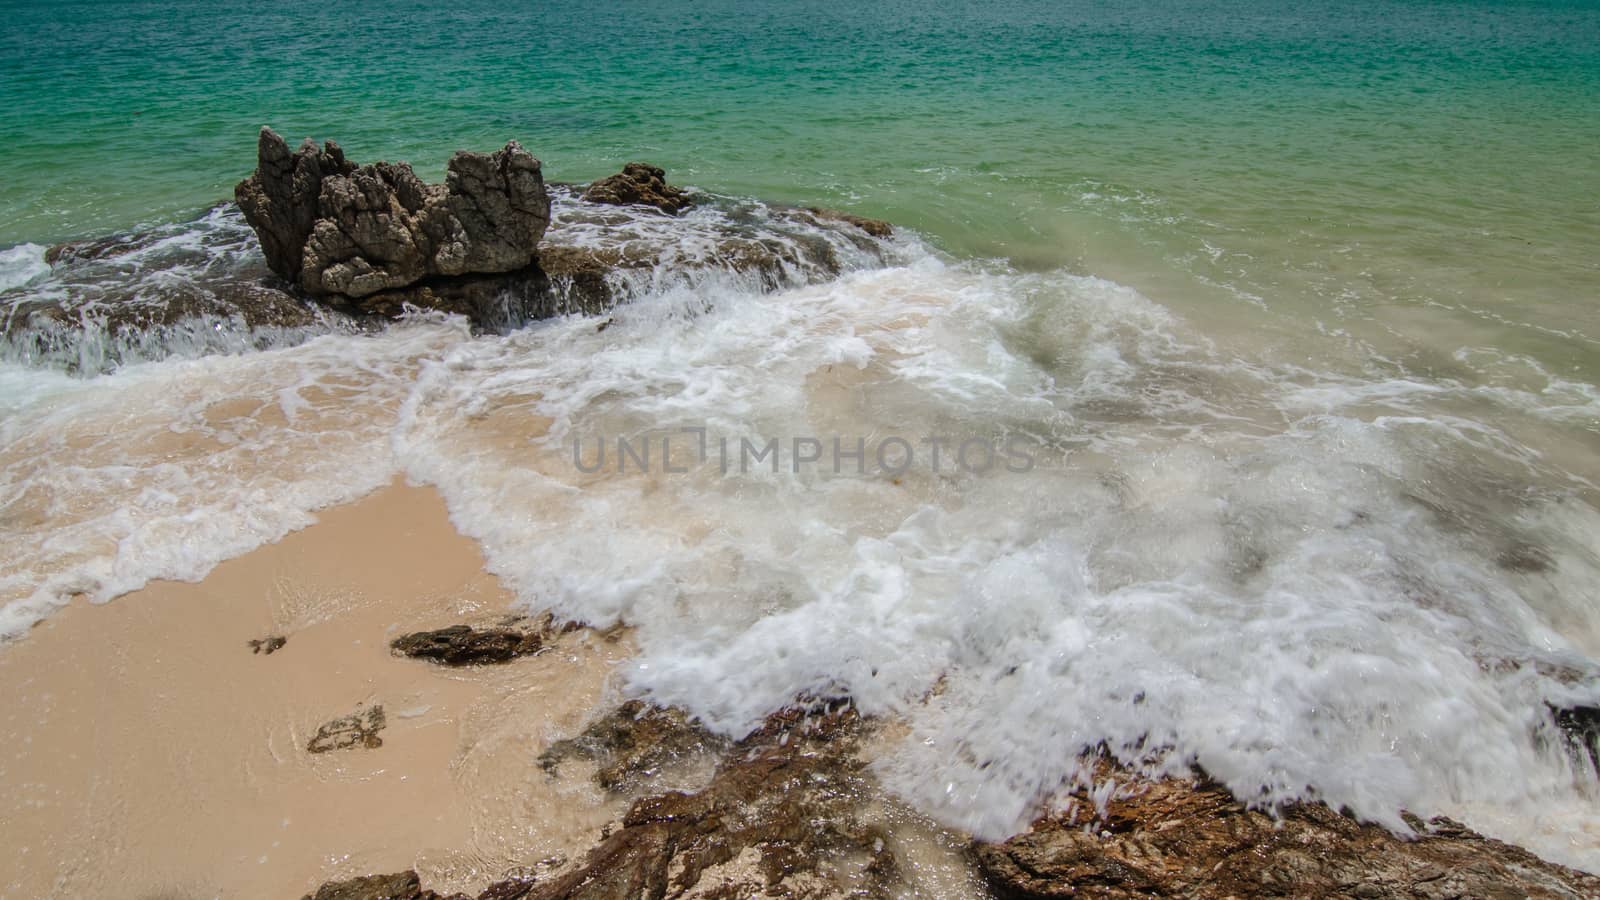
(99, 248)
(464, 645)
(639, 184)
(184, 289)
(1177, 838)
(633, 743)
(331, 227)
(360, 729)
(878, 228)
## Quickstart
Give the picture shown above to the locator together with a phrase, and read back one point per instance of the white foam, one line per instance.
(21, 264)
(165, 469)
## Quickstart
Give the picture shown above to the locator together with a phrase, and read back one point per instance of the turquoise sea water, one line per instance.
(1350, 161)
(1300, 301)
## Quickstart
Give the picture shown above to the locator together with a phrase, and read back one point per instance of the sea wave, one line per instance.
(1351, 586)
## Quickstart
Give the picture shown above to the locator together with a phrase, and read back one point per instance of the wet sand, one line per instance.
(146, 751)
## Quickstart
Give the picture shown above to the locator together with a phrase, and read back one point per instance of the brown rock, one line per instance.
(1175, 838)
(400, 886)
(463, 645)
(875, 227)
(639, 184)
(780, 818)
(632, 743)
(360, 729)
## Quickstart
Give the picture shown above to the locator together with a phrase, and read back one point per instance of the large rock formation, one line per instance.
(356, 245)
(334, 228)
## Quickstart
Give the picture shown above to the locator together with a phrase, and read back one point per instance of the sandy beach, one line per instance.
(149, 752)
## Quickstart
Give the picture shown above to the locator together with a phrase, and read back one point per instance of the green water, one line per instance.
(1418, 177)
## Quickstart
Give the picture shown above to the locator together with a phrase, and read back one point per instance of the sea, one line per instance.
(1260, 338)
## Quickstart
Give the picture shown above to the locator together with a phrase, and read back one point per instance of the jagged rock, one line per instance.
(268, 645)
(400, 886)
(1175, 838)
(639, 184)
(332, 228)
(875, 227)
(779, 818)
(632, 743)
(281, 199)
(463, 645)
(360, 729)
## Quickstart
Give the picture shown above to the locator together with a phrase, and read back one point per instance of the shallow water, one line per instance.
(1290, 311)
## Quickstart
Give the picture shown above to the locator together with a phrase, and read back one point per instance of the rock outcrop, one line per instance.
(1175, 838)
(333, 228)
(639, 184)
(344, 247)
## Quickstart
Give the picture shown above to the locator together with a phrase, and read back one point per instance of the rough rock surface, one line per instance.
(359, 729)
(1174, 838)
(191, 287)
(400, 886)
(464, 645)
(639, 184)
(331, 227)
(632, 743)
(878, 228)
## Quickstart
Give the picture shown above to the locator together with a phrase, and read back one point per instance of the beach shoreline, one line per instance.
(149, 751)
(173, 743)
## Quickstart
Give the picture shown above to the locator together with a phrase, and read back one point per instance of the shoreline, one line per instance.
(159, 752)
(150, 752)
